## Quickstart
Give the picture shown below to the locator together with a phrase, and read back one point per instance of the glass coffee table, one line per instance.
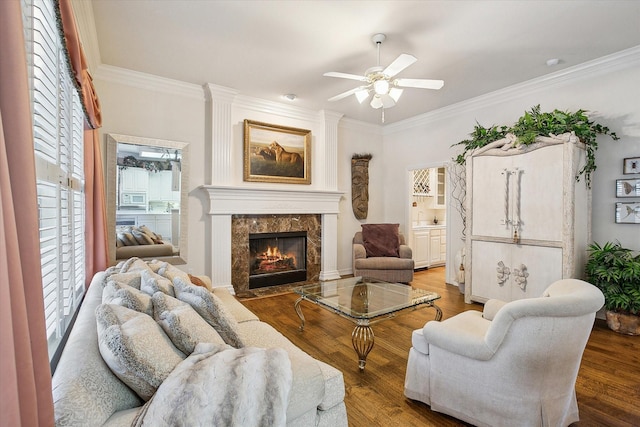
(364, 301)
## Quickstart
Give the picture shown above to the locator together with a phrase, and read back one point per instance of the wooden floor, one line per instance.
(608, 386)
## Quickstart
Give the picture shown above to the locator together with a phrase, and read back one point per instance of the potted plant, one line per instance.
(616, 271)
(535, 123)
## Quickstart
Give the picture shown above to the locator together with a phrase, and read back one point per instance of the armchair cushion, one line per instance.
(381, 240)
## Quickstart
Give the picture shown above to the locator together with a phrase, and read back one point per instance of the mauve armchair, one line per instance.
(386, 268)
(514, 364)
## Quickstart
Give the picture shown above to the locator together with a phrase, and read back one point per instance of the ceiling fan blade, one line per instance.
(345, 76)
(420, 83)
(399, 64)
(345, 94)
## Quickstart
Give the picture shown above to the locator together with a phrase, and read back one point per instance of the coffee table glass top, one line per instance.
(364, 298)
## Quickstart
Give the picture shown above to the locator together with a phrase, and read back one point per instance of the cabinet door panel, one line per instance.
(489, 196)
(541, 194)
(484, 274)
(543, 264)
(434, 249)
(421, 249)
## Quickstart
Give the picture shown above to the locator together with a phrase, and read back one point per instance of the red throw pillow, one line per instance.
(197, 281)
(381, 239)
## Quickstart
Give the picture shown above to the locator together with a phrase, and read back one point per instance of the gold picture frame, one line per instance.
(274, 153)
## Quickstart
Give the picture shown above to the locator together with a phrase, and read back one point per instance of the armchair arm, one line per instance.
(359, 251)
(491, 308)
(405, 252)
(463, 334)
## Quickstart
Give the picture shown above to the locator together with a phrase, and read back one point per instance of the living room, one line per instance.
(209, 118)
(147, 105)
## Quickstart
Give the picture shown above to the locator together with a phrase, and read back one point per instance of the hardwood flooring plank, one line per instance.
(607, 388)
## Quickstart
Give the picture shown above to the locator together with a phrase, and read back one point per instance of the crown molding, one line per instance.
(360, 126)
(149, 82)
(628, 58)
(276, 108)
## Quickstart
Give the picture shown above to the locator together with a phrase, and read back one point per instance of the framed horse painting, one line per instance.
(275, 153)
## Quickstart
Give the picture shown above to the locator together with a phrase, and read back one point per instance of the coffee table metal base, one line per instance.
(362, 336)
(362, 339)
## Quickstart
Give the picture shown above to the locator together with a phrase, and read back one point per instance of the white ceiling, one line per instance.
(267, 48)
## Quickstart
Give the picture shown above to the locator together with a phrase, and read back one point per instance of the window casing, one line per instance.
(58, 122)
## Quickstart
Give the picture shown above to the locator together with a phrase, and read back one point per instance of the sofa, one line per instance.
(86, 392)
(513, 364)
(140, 242)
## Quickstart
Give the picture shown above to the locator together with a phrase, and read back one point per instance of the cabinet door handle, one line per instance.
(505, 219)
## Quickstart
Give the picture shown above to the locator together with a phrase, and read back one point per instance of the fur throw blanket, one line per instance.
(218, 385)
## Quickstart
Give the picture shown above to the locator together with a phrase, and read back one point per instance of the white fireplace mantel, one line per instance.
(225, 201)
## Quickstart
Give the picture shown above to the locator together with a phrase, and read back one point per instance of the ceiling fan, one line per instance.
(380, 81)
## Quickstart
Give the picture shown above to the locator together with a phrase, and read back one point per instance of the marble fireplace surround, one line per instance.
(243, 225)
(270, 207)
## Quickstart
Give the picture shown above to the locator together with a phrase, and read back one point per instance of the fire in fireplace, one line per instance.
(277, 258)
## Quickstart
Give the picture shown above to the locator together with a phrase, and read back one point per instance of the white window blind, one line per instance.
(58, 132)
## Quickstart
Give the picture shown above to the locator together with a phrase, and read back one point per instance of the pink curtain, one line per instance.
(97, 249)
(25, 377)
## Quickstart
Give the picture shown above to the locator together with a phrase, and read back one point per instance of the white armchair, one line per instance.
(514, 364)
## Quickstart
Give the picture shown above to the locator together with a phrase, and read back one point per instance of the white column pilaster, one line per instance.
(219, 132)
(330, 121)
(221, 252)
(329, 259)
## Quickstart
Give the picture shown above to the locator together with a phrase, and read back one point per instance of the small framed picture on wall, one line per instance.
(631, 165)
(628, 213)
(628, 187)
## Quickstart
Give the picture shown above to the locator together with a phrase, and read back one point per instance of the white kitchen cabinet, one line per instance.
(437, 247)
(528, 219)
(420, 248)
(134, 180)
(440, 196)
(160, 187)
(429, 246)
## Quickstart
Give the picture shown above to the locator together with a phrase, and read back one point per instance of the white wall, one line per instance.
(142, 105)
(607, 87)
(358, 138)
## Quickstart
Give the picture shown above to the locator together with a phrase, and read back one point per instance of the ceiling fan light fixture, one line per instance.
(395, 93)
(381, 87)
(376, 102)
(362, 95)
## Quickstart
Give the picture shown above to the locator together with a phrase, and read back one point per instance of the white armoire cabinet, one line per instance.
(528, 218)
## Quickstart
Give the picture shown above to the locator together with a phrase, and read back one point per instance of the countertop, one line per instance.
(424, 225)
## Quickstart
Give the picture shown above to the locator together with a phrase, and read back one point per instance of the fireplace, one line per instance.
(277, 258)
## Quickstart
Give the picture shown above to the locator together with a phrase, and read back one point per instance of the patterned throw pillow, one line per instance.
(152, 283)
(134, 264)
(211, 308)
(132, 278)
(136, 349)
(171, 272)
(127, 296)
(182, 324)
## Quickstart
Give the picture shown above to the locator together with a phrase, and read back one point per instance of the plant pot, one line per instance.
(628, 324)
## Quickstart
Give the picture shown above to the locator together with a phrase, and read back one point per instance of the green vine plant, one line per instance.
(535, 123)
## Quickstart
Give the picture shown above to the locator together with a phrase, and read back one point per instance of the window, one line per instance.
(58, 132)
